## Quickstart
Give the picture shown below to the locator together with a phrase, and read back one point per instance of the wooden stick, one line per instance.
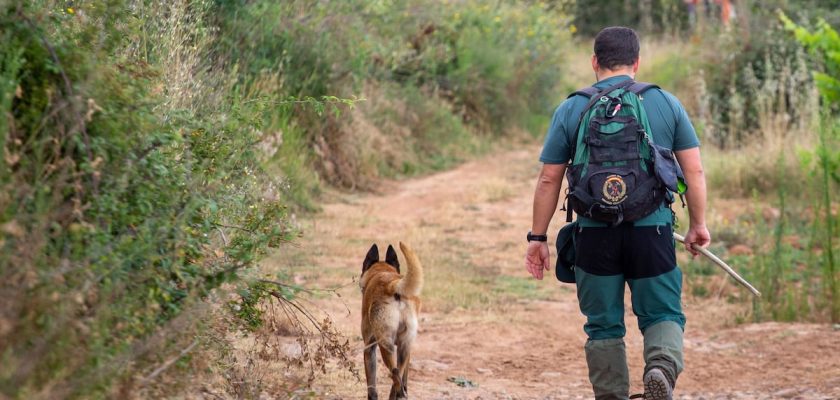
(721, 264)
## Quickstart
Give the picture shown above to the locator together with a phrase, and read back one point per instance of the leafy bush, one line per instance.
(130, 191)
(474, 66)
(824, 43)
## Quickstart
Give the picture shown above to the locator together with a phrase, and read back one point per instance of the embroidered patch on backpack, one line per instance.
(615, 190)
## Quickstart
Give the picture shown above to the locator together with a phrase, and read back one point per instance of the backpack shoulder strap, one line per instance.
(640, 87)
(586, 92)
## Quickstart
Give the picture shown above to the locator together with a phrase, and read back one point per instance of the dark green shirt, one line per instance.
(669, 124)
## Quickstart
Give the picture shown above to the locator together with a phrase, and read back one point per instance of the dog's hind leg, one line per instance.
(370, 368)
(403, 358)
(389, 356)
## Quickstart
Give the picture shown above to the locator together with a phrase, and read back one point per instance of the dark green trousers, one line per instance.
(656, 304)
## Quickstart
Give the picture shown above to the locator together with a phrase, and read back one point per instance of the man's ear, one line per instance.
(595, 65)
(391, 258)
(371, 258)
(636, 65)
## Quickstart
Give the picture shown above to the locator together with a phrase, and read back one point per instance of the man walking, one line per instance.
(638, 250)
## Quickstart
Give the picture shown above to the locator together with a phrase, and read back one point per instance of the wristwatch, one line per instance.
(537, 238)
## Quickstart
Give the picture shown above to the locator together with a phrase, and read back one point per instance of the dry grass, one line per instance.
(494, 190)
(464, 228)
(778, 156)
(740, 173)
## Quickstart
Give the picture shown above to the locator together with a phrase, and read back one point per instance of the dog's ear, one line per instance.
(391, 258)
(371, 258)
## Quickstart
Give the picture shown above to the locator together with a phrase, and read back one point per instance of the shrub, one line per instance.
(130, 191)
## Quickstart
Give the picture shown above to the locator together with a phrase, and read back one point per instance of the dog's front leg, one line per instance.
(370, 368)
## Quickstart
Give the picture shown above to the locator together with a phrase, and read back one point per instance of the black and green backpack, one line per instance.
(617, 173)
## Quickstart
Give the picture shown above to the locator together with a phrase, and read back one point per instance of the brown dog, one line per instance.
(389, 315)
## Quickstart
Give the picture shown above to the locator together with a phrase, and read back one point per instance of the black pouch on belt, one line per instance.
(565, 268)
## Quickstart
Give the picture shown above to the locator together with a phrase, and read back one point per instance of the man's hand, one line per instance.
(537, 259)
(697, 235)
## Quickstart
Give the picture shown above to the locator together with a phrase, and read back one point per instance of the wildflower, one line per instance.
(572, 28)
(71, 10)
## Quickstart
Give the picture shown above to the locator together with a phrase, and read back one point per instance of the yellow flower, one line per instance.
(497, 19)
(572, 28)
(70, 10)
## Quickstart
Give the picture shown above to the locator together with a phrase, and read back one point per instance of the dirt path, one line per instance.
(486, 321)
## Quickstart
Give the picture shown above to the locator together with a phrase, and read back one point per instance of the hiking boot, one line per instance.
(657, 385)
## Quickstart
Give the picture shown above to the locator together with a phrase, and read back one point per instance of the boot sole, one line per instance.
(657, 387)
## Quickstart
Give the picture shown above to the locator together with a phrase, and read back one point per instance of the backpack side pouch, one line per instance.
(667, 169)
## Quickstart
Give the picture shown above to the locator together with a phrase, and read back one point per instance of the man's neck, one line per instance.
(608, 73)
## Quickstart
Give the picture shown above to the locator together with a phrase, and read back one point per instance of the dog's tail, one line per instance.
(412, 283)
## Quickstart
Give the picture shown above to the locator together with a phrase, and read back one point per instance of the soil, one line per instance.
(502, 335)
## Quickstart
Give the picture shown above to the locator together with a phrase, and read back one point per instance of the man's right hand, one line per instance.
(697, 235)
(537, 259)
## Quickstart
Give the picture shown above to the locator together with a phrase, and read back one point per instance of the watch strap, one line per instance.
(538, 238)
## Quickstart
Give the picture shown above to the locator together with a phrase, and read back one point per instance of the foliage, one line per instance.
(791, 244)
(130, 191)
(825, 44)
(754, 81)
(647, 16)
(476, 67)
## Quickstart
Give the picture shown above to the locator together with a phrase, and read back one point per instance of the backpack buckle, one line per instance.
(614, 210)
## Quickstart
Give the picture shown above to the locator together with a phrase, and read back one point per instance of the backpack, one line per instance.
(617, 173)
